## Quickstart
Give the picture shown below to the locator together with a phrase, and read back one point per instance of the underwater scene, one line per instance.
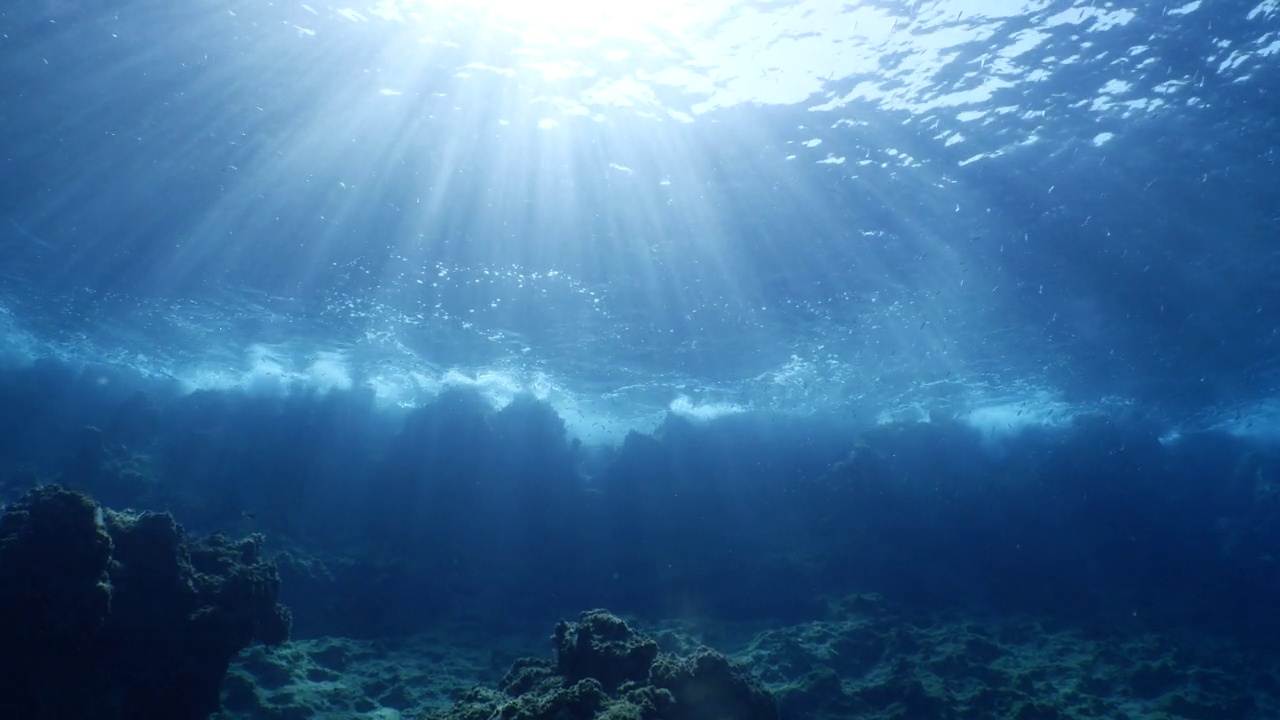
(665, 360)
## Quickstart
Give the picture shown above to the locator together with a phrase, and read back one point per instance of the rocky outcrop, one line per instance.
(605, 670)
(117, 616)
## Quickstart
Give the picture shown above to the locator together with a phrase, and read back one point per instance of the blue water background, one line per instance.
(896, 208)
(403, 278)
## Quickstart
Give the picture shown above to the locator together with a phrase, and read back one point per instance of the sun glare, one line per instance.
(598, 17)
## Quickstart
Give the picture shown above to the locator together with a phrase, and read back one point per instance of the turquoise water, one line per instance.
(882, 210)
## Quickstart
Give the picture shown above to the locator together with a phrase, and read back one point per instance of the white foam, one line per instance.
(1010, 419)
(703, 411)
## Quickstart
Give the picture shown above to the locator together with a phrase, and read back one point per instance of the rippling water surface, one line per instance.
(1000, 209)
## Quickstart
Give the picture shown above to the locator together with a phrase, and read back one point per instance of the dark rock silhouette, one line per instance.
(605, 670)
(604, 647)
(117, 616)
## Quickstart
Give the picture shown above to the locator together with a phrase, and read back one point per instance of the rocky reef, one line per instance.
(870, 661)
(867, 659)
(117, 616)
(605, 670)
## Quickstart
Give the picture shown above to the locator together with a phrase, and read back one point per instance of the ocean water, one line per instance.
(923, 356)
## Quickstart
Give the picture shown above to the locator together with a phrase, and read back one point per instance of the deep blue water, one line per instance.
(724, 309)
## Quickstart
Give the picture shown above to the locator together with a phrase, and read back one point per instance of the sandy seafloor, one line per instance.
(865, 660)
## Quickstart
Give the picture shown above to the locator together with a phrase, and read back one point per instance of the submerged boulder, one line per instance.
(602, 646)
(709, 685)
(118, 616)
(605, 670)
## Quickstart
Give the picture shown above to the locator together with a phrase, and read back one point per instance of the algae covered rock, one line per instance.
(605, 670)
(708, 685)
(116, 616)
(55, 591)
(604, 647)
